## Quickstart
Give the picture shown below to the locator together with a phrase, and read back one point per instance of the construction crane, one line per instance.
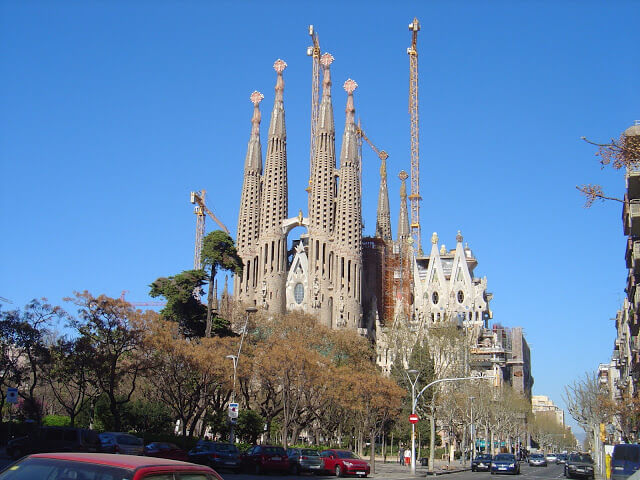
(201, 211)
(381, 153)
(2, 299)
(414, 197)
(141, 304)
(314, 52)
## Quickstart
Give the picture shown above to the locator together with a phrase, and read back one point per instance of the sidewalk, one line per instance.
(395, 470)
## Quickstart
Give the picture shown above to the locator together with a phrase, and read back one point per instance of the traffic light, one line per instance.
(603, 433)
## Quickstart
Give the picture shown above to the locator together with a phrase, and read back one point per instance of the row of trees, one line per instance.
(113, 363)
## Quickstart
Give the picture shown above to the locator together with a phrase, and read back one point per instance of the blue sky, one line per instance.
(112, 112)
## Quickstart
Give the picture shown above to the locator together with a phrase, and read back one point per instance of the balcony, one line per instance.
(632, 218)
(633, 183)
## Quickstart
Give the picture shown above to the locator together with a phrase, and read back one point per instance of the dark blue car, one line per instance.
(625, 460)
(505, 463)
(219, 456)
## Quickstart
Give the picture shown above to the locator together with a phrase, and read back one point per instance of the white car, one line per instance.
(551, 457)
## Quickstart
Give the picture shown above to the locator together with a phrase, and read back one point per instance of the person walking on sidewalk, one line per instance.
(407, 457)
(400, 454)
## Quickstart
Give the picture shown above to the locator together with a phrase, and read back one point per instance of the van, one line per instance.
(625, 460)
(54, 439)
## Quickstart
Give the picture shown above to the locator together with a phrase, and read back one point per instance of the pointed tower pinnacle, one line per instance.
(383, 221)
(403, 218)
(249, 212)
(348, 234)
(322, 177)
(274, 207)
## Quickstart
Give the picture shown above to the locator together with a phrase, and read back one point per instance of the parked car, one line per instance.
(120, 442)
(551, 457)
(625, 460)
(54, 439)
(505, 463)
(344, 462)
(481, 463)
(166, 450)
(304, 460)
(216, 455)
(265, 458)
(579, 465)
(537, 460)
(561, 458)
(59, 466)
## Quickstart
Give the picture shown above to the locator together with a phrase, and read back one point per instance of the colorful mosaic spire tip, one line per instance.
(326, 59)
(279, 66)
(350, 86)
(256, 97)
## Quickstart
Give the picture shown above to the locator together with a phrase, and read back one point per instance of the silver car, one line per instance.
(304, 460)
(120, 442)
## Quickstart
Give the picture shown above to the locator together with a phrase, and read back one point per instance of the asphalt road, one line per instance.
(394, 471)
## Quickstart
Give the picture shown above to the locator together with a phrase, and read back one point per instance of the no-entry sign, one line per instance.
(413, 418)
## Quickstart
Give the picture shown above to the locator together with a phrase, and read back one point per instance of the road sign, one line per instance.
(12, 395)
(413, 418)
(233, 410)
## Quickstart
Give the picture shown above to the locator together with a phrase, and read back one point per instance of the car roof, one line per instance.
(124, 461)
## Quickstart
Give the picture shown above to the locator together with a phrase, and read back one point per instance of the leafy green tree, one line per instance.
(23, 336)
(113, 332)
(218, 253)
(68, 375)
(182, 307)
(250, 426)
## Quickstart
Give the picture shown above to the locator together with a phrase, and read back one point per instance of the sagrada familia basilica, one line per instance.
(377, 286)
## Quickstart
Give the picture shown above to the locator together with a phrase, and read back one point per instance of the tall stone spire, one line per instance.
(274, 205)
(249, 214)
(348, 234)
(323, 183)
(383, 221)
(404, 231)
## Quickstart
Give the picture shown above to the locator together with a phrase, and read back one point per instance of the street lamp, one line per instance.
(472, 432)
(234, 359)
(413, 411)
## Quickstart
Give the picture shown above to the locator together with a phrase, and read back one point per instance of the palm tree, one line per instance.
(218, 252)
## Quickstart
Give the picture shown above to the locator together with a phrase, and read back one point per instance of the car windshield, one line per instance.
(483, 456)
(537, 456)
(630, 453)
(32, 468)
(308, 452)
(583, 458)
(505, 457)
(345, 454)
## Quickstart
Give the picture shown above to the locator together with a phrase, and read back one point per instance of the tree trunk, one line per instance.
(207, 332)
(372, 452)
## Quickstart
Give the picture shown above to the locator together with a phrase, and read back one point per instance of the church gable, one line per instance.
(297, 287)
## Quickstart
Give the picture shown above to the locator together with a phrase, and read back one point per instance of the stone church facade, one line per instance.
(374, 285)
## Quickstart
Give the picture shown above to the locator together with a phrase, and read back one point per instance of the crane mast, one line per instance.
(314, 52)
(201, 211)
(414, 197)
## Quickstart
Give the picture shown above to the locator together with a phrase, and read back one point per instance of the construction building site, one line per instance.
(385, 287)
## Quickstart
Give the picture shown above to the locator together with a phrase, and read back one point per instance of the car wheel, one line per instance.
(473, 469)
(338, 471)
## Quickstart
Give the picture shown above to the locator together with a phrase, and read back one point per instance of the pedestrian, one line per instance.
(400, 454)
(407, 457)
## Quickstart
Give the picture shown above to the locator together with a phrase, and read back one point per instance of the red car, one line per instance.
(80, 466)
(344, 462)
(265, 458)
(166, 450)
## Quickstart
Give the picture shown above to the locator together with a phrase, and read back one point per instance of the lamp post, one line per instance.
(413, 411)
(234, 359)
(417, 397)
